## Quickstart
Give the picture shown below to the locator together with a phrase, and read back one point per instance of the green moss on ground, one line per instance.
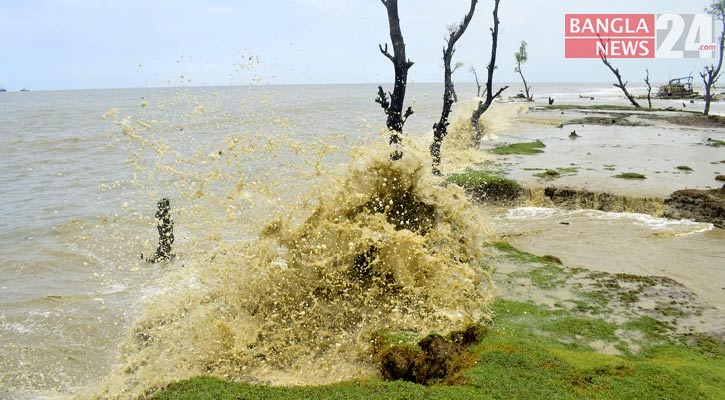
(548, 174)
(485, 186)
(528, 148)
(630, 175)
(534, 351)
(528, 353)
(551, 174)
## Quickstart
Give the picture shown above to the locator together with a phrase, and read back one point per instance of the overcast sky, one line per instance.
(78, 44)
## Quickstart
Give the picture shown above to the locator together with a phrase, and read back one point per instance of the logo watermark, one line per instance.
(640, 36)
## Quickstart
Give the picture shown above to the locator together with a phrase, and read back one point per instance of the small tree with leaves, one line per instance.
(711, 73)
(394, 107)
(521, 57)
(484, 104)
(440, 128)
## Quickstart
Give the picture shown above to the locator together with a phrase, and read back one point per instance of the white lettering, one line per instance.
(574, 25)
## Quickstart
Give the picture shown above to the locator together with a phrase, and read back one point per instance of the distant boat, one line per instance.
(3, 90)
(24, 90)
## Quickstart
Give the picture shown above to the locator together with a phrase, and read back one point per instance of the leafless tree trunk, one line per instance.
(615, 71)
(440, 128)
(649, 90)
(712, 73)
(490, 96)
(394, 107)
(478, 85)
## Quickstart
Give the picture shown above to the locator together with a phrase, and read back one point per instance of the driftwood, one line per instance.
(440, 128)
(394, 107)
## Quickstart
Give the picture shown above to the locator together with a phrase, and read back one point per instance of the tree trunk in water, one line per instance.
(394, 108)
(484, 105)
(440, 128)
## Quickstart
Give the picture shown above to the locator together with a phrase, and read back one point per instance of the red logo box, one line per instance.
(614, 35)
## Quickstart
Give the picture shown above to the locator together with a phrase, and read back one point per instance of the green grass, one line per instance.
(485, 186)
(529, 353)
(715, 143)
(684, 168)
(551, 174)
(473, 179)
(539, 352)
(528, 148)
(630, 175)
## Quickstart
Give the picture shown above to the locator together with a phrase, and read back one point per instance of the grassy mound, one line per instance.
(527, 148)
(486, 187)
(630, 175)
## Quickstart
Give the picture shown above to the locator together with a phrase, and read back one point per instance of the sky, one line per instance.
(86, 44)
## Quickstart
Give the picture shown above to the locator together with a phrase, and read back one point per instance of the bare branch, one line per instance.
(440, 128)
(491, 67)
(615, 71)
(385, 52)
(500, 91)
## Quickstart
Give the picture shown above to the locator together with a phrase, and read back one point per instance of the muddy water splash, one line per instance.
(387, 249)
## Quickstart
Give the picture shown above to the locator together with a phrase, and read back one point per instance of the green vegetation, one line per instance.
(484, 186)
(533, 351)
(528, 148)
(551, 174)
(715, 143)
(548, 174)
(473, 179)
(630, 175)
(529, 353)
(684, 168)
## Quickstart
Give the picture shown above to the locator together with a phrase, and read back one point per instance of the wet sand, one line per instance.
(655, 147)
(647, 143)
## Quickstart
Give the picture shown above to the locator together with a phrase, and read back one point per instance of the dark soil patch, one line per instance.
(699, 205)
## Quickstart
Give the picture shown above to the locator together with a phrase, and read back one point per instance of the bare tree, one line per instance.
(649, 90)
(615, 71)
(521, 57)
(440, 128)
(712, 73)
(394, 107)
(478, 85)
(483, 105)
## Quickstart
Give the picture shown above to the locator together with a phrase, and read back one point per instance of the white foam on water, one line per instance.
(537, 213)
(15, 327)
